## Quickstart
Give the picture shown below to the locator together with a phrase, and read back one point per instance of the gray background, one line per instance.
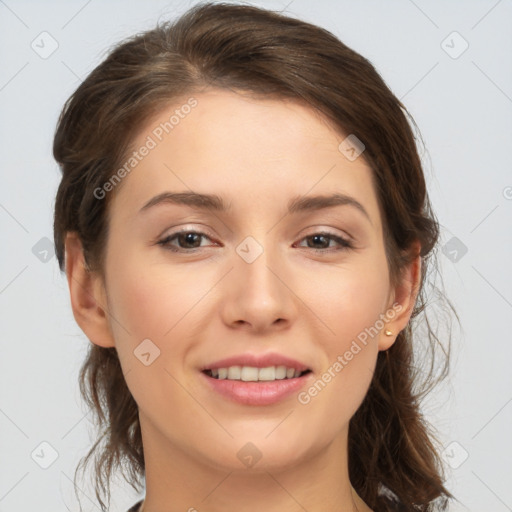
(462, 103)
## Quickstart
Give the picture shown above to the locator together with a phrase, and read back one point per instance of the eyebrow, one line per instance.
(213, 202)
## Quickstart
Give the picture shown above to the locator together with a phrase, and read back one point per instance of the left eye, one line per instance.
(185, 238)
(190, 240)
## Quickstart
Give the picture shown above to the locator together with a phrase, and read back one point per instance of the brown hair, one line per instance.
(392, 455)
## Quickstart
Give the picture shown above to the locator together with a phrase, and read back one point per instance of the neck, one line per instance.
(178, 480)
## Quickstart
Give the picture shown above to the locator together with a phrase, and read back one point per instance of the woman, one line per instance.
(245, 229)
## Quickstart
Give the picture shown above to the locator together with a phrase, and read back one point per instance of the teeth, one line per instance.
(280, 372)
(267, 373)
(252, 374)
(234, 372)
(249, 374)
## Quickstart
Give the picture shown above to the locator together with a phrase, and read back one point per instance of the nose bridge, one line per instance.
(257, 264)
(257, 294)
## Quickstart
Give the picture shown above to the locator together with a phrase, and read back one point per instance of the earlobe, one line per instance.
(404, 298)
(87, 295)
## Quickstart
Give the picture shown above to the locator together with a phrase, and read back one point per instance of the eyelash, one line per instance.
(165, 242)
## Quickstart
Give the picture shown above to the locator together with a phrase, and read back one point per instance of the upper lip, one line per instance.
(257, 361)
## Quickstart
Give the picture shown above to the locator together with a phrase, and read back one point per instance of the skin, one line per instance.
(209, 303)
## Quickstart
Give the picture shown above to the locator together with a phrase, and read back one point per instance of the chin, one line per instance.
(259, 454)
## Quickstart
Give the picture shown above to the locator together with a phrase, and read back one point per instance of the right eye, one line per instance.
(184, 238)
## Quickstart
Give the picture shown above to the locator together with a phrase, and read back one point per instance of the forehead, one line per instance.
(244, 149)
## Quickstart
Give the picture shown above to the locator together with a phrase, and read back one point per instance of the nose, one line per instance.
(258, 296)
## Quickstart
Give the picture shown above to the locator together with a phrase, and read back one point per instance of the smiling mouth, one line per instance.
(253, 374)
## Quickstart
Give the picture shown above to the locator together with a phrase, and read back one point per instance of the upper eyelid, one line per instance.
(322, 220)
(210, 235)
(186, 230)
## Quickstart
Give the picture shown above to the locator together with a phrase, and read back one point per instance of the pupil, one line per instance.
(188, 238)
(316, 237)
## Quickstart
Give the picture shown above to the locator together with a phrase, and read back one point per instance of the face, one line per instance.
(252, 279)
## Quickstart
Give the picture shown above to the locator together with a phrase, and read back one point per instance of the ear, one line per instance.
(403, 299)
(87, 293)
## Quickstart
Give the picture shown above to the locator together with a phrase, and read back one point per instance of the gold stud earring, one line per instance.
(388, 333)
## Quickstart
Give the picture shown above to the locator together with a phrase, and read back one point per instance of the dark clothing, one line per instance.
(135, 507)
(398, 508)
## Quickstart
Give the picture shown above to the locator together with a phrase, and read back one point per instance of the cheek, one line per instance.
(350, 299)
(350, 304)
(150, 300)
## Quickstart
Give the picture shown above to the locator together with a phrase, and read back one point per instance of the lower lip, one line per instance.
(257, 393)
